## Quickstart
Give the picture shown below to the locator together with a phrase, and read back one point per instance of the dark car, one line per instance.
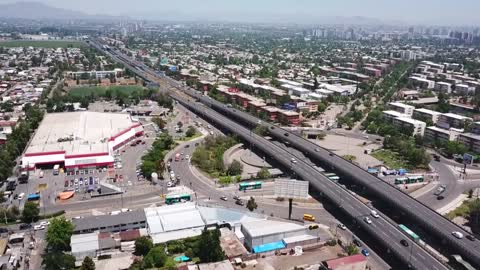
(470, 237)
(25, 226)
(404, 242)
(357, 243)
(187, 146)
(236, 198)
(3, 230)
(239, 202)
(66, 183)
(440, 197)
(286, 134)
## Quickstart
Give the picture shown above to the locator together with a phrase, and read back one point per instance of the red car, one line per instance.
(143, 142)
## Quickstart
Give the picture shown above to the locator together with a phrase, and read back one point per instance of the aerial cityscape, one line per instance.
(209, 135)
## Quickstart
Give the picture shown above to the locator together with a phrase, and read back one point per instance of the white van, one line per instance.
(20, 196)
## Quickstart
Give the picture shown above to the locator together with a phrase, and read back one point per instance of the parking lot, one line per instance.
(125, 176)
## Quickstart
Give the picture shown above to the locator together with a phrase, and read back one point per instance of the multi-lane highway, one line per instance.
(429, 219)
(382, 229)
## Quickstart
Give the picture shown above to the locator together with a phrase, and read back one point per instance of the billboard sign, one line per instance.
(291, 189)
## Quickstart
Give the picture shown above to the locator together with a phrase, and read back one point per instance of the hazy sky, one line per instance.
(409, 11)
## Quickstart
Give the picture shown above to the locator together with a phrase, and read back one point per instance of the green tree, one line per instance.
(156, 257)
(474, 215)
(58, 261)
(30, 212)
(261, 130)
(263, 173)
(351, 249)
(209, 249)
(453, 147)
(159, 122)
(58, 234)
(235, 168)
(190, 131)
(87, 264)
(321, 107)
(251, 204)
(143, 245)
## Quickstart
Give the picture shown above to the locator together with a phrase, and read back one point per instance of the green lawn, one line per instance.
(100, 90)
(42, 43)
(390, 159)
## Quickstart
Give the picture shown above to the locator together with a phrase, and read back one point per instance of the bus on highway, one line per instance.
(250, 185)
(171, 199)
(410, 233)
(332, 176)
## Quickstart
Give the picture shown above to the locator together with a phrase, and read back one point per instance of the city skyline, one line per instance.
(407, 12)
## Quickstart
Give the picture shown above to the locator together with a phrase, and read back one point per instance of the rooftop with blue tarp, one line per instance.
(269, 247)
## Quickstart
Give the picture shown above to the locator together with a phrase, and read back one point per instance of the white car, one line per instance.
(367, 220)
(187, 157)
(119, 165)
(20, 196)
(374, 214)
(458, 235)
(169, 184)
(38, 227)
(44, 223)
(341, 226)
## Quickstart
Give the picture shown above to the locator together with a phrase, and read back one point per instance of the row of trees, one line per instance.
(153, 161)
(17, 141)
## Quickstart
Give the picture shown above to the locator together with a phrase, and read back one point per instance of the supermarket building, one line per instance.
(79, 139)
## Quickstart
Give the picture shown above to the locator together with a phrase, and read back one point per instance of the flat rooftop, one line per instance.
(269, 227)
(85, 132)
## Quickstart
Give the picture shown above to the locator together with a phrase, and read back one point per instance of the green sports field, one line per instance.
(100, 91)
(42, 43)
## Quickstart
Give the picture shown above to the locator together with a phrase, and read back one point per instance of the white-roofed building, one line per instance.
(424, 114)
(417, 126)
(184, 220)
(267, 235)
(84, 245)
(451, 120)
(402, 108)
(422, 82)
(390, 115)
(443, 87)
(434, 133)
(79, 139)
(464, 89)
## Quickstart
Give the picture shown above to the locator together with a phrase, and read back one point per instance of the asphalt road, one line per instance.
(207, 191)
(381, 229)
(385, 232)
(428, 218)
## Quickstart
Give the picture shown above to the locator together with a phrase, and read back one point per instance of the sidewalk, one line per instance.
(453, 204)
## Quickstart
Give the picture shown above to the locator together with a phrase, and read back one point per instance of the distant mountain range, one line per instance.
(37, 11)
